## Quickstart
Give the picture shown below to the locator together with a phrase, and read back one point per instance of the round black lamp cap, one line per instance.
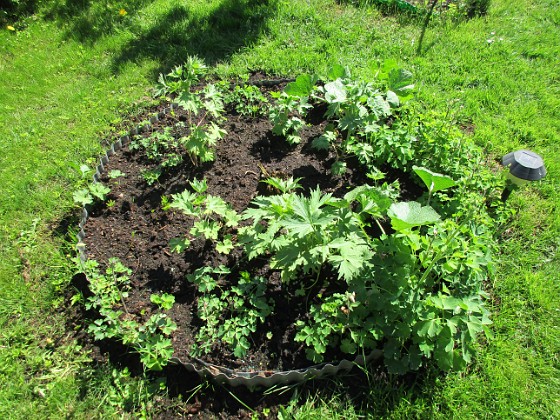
(525, 164)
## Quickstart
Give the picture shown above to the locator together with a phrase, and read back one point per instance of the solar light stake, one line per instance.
(524, 166)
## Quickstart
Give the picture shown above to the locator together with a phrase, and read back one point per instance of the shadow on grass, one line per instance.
(179, 32)
(233, 25)
(87, 21)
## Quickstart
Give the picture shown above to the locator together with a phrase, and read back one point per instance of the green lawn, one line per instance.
(75, 69)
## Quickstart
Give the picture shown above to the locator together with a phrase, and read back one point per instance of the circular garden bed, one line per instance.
(256, 228)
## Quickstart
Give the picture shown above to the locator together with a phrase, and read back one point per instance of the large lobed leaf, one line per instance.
(406, 215)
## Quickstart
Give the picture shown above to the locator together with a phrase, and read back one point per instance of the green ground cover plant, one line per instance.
(73, 70)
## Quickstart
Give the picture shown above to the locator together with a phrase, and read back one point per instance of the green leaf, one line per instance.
(443, 352)
(314, 356)
(400, 82)
(178, 245)
(83, 197)
(185, 202)
(221, 269)
(347, 346)
(302, 86)
(428, 328)
(324, 141)
(199, 186)
(205, 282)
(393, 99)
(232, 218)
(164, 301)
(433, 180)
(488, 332)
(208, 229)
(450, 266)
(115, 173)
(99, 190)
(288, 258)
(284, 185)
(308, 214)
(225, 246)
(354, 253)
(335, 92)
(405, 215)
(216, 205)
(426, 348)
(85, 170)
(474, 327)
(453, 323)
(397, 366)
(188, 101)
(379, 106)
(338, 168)
(450, 303)
(386, 67)
(337, 72)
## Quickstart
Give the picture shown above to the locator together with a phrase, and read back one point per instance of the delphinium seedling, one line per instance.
(212, 215)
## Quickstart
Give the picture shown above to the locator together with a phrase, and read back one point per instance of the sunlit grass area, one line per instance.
(74, 71)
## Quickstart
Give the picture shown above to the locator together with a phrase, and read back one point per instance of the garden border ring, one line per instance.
(220, 374)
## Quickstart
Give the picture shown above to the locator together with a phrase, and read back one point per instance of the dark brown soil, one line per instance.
(134, 228)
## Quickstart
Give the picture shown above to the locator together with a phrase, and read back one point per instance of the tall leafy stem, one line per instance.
(182, 77)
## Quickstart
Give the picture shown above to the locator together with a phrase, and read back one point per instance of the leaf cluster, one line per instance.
(92, 191)
(95, 191)
(302, 234)
(390, 280)
(354, 108)
(109, 291)
(286, 115)
(212, 215)
(408, 275)
(231, 312)
(182, 77)
(197, 137)
(246, 100)
(418, 301)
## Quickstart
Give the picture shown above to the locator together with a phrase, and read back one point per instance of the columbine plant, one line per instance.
(243, 306)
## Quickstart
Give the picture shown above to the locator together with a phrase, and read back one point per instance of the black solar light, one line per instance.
(524, 166)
